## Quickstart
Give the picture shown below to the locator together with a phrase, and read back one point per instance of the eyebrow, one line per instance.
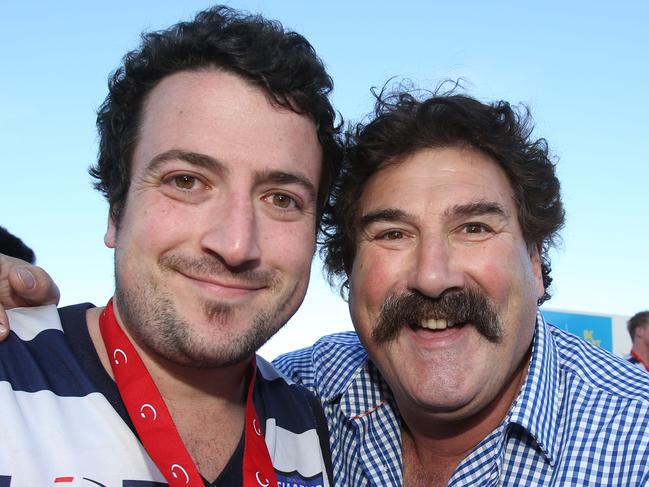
(382, 215)
(193, 158)
(282, 177)
(476, 208)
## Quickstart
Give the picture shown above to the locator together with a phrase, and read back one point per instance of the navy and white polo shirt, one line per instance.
(63, 423)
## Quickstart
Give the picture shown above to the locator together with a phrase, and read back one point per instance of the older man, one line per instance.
(440, 230)
(217, 145)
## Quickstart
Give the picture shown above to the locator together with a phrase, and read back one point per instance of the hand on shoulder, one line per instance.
(23, 284)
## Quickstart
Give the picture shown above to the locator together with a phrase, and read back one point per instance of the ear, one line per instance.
(535, 258)
(110, 237)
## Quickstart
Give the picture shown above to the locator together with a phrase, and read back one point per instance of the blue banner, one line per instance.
(597, 330)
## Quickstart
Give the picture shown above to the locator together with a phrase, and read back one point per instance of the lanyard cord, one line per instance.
(155, 426)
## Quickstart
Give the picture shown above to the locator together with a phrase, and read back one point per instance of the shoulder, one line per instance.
(279, 392)
(332, 359)
(38, 354)
(600, 404)
(295, 423)
(27, 323)
(339, 346)
(590, 366)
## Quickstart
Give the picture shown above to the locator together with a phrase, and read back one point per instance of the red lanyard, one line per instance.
(637, 357)
(154, 424)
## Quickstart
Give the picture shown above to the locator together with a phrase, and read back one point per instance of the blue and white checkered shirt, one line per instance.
(581, 418)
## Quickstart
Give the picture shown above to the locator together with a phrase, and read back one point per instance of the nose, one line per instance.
(434, 270)
(232, 234)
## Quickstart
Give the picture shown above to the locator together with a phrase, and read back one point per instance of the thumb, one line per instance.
(33, 286)
(22, 284)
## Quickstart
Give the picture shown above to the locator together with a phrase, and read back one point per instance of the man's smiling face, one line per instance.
(214, 244)
(439, 240)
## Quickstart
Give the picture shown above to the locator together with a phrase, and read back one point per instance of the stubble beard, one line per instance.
(152, 319)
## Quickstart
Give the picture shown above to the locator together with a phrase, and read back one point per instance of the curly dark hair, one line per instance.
(14, 247)
(280, 62)
(403, 124)
(637, 320)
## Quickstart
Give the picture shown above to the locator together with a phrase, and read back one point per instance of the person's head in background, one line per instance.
(14, 247)
(638, 326)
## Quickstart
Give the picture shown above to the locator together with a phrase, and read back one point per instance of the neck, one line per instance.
(435, 445)
(206, 405)
(641, 349)
(177, 383)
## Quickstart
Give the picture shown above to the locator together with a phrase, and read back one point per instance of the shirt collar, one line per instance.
(361, 389)
(355, 381)
(366, 393)
(536, 409)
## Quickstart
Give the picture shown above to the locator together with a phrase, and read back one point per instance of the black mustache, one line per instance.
(466, 305)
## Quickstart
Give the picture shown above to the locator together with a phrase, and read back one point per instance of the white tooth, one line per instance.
(433, 324)
(427, 324)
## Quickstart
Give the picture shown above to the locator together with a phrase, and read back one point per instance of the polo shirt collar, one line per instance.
(362, 390)
(537, 407)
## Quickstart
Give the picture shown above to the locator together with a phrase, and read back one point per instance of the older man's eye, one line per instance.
(390, 235)
(185, 182)
(476, 228)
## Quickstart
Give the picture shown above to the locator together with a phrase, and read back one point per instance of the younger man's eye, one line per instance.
(282, 201)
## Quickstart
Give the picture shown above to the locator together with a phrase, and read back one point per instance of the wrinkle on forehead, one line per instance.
(470, 176)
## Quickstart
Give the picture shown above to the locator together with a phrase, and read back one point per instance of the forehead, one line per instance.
(218, 113)
(436, 180)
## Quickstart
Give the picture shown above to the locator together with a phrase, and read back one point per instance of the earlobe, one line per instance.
(537, 268)
(111, 231)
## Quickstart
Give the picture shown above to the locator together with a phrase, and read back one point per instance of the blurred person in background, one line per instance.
(638, 326)
(15, 247)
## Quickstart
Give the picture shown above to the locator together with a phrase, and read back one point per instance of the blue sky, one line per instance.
(582, 67)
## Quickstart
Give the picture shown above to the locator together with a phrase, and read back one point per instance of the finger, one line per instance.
(22, 284)
(33, 285)
(4, 324)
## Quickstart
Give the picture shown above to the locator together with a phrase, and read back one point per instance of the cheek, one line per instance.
(504, 273)
(512, 286)
(372, 279)
(152, 225)
(290, 248)
(495, 279)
